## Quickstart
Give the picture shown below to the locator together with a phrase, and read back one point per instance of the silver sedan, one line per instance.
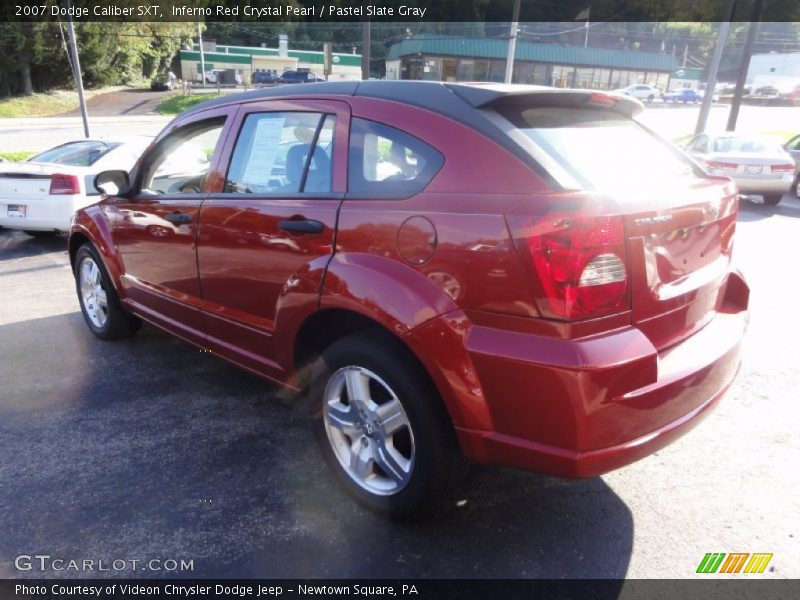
(757, 167)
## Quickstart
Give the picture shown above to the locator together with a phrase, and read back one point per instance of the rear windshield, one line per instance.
(76, 154)
(742, 144)
(601, 149)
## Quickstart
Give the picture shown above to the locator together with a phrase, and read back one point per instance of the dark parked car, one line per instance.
(163, 83)
(264, 78)
(446, 272)
(300, 77)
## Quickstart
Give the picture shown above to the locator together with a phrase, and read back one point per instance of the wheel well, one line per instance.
(322, 329)
(76, 240)
(325, 327)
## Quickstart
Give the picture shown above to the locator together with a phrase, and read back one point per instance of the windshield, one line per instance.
(742, 144)
(601, 149)
(76, 154)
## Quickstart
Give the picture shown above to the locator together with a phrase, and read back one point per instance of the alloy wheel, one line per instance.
(368, 430)
(95, 300)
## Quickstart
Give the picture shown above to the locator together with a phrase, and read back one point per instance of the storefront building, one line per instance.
(445, 58)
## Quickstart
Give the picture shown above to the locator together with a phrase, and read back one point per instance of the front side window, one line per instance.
(180, 162)
(386, 160)
(273, 154)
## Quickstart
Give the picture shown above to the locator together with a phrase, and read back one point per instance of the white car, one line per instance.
(213, 76)
(41, 195)
(641, 91)
(756, 166)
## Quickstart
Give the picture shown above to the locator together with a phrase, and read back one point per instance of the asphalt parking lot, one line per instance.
(150, 449)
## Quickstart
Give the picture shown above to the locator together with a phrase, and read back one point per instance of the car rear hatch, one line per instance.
(636, 228)
(20, 182)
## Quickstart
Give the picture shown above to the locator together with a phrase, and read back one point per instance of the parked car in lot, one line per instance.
(41, 195)
(299, 77)
(641, 92)
(793, 148)
(557, 310)
(756, 166)
(685, 95)
(217, 76)
(164, 82)
(794, 96)
(264, 77)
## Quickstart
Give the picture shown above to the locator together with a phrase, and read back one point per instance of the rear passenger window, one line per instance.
(385, 160)
(273, 154)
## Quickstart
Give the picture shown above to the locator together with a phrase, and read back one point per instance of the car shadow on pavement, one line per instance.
(16, 244)
(151, 449)
(751, 211)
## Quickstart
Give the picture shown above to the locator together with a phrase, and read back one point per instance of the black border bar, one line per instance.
(743, 587)
(402, 11)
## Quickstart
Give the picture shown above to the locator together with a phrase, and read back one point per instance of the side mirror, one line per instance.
(113, 183)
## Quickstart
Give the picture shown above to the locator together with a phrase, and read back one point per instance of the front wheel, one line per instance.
(382, 428)
(650, 98)
(99, 302)
(772, 199)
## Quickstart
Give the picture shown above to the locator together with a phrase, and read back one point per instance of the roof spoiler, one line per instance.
(495, 95)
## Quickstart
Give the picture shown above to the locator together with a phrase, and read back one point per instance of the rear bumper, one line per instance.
(579, 408)
(48, 214)
(769, 186)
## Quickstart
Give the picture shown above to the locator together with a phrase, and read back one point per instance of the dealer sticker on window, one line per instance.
(18, 211)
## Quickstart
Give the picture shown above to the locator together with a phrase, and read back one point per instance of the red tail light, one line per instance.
(603, 99)
(783, 168)
(61, 184)
(724, 166)
(580, 263)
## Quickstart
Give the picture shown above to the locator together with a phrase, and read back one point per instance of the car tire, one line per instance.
(100, 304)
(408, 473)
(772, 199)
(796, 186)
(650, 98)
(40, 234)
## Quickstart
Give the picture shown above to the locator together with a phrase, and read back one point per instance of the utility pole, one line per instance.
(512, 43)
(711, 81)
(366, 40)
(202, 56)
(744, 66)
(76, 71)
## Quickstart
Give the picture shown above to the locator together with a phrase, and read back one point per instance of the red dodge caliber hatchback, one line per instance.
(506, 275)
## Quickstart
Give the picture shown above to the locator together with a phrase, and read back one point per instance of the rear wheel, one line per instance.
(40, 234)
(650, 98)
(99, 302)
(382, 428)
(772, 199)
(796, 186)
